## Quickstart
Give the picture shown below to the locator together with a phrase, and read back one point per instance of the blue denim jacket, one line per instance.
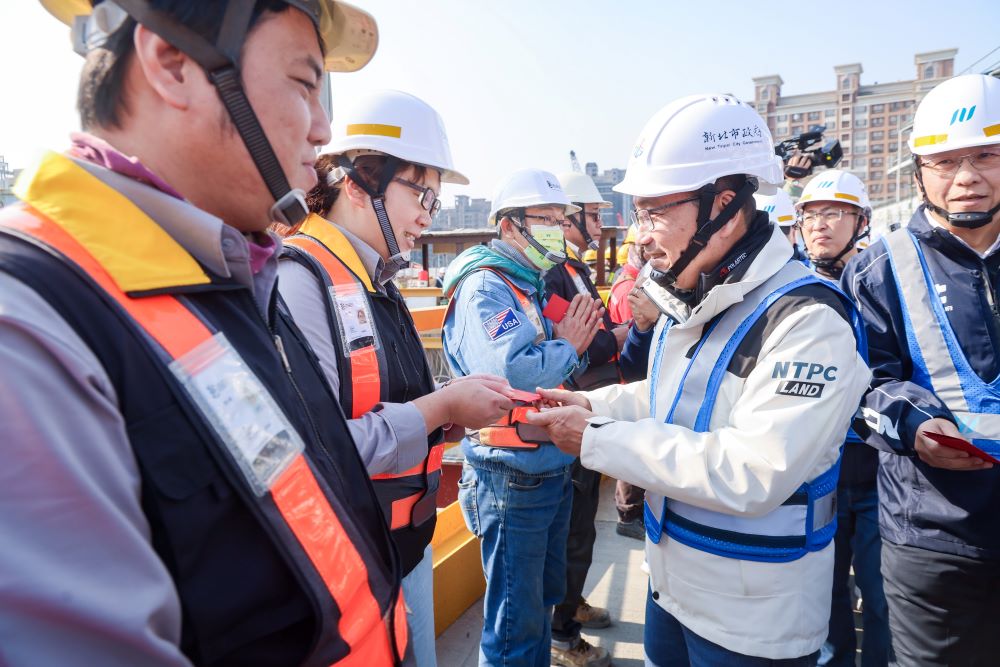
(474, 343)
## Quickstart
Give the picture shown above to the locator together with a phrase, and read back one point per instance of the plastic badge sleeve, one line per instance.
(958, 443)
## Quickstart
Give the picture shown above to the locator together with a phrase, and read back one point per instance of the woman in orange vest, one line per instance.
(378, 192)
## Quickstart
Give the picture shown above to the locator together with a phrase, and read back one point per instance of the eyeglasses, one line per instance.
(546, 220)
(829, 217)
(948, 166)
(643, 217)
(428, 198)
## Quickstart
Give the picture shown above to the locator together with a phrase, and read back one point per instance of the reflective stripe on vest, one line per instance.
(939, 364)
(413, 509)
(804, 522)
(511, 431)
(301, 518)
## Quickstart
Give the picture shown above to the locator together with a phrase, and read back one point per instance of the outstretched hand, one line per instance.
(564, 425)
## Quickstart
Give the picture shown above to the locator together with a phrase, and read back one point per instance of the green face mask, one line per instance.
(550, 238)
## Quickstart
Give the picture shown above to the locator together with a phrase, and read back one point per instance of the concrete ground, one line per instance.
(616, 582)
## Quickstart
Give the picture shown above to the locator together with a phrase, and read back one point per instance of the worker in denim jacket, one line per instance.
(515, 491)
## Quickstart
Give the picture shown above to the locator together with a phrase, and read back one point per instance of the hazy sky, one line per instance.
(520, 83)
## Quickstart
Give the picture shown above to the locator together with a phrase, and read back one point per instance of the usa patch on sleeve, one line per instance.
(504, 321)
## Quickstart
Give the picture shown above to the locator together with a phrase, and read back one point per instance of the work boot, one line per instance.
(633, 529)
(582, 654)
(591, 617)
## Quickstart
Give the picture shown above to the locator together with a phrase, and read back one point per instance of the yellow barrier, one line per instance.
(458, 568)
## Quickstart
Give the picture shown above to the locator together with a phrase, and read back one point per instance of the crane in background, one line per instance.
(574, 163)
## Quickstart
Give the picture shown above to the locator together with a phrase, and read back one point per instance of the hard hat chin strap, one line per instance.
(967, 220)
(829, 263)
(396, 259)
(551, 255)
(579, 220)
(706, 229)
(221, 64)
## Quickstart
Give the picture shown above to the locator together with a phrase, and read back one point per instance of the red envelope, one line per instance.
(556, 308)
(522, 396)
(958, 443)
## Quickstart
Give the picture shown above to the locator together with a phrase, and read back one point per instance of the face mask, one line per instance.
(554, 243)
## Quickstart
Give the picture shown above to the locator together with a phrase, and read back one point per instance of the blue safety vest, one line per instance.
(807, 520)
(939, 365)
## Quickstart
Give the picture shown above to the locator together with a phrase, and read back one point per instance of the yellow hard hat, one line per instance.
(349, 34)
(590, 257)
(622, 255)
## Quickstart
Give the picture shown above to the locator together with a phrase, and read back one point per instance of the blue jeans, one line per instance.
(418, 591)
(857, 539)
(522, 521)
(670, 644)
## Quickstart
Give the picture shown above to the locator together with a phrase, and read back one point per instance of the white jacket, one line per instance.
(761, 446)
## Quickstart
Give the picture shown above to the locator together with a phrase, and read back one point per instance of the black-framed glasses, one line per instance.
(643, 217)
(428, 198)
(829, 216)
(948, 166)
(546, 220)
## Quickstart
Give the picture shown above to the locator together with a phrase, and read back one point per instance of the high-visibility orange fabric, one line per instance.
(366, 385)
(296, 493)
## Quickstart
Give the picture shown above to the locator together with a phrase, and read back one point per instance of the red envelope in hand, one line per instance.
(556, 308)
(522, 396)
(958, 443)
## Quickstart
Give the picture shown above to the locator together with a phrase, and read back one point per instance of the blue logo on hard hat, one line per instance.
(826, 184)
(962, 115)
(769, 208)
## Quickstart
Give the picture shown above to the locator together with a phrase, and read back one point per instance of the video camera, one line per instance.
(807, 143)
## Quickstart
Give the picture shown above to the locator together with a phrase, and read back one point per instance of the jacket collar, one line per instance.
(925, 228)
(768, 261)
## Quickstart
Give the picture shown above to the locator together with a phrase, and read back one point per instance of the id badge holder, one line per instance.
(255, 431)
(355, 324)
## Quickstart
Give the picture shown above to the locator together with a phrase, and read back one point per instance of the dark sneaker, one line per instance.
(581, 654)
(634, 529)
(592, 617)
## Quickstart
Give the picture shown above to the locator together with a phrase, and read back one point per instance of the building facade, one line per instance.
(872, 121)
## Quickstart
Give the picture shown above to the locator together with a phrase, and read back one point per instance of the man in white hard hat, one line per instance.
(833, 215)
(515, 491)
(566, 280)
(178, 485)
(737, 431)
(928, 294)
(780, 210)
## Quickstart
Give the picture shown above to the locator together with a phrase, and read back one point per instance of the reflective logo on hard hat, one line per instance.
(825, 184)
(962, 115)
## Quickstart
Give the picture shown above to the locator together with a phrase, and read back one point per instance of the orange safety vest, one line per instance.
(408, 508)
(300, 517)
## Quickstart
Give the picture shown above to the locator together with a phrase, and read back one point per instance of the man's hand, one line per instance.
(557, 398)
(579, 326)
(940, 456)
(621, 333)
(564, 425)
(798, 166)
(644, 311)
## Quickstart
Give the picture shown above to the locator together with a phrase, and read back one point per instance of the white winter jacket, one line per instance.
(761, 446)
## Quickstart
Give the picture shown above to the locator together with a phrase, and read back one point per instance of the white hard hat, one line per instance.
(957, 113)
(394, 123)
(580, 189)
(778, 208)
(696, 140)
(836, 185)
(529, 187)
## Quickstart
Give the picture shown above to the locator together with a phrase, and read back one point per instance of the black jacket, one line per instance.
(923, 506)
